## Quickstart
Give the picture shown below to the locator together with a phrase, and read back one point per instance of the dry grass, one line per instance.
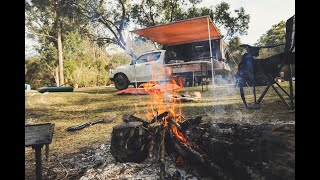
(86, 104)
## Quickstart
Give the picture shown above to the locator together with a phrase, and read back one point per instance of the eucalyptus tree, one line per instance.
(47, 21)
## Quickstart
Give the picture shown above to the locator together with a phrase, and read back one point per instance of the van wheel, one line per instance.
(121, 82)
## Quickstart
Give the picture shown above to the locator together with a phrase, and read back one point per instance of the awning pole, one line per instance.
(211, 57)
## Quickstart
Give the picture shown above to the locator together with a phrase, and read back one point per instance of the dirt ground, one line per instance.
(219, 104)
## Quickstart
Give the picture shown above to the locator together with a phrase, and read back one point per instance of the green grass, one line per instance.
(64, 109)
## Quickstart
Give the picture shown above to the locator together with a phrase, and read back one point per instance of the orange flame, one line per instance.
(159, 101)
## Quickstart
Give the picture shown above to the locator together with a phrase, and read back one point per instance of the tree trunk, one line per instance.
(61, 75)
(56, 78)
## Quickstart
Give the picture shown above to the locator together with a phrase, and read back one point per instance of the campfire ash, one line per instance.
(131, 170)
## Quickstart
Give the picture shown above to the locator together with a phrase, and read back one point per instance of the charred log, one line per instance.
(162, 115)
(189, 123)
(128, 142)
(198, 159)
(248, 151)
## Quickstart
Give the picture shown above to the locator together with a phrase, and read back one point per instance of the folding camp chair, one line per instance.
(263, 72)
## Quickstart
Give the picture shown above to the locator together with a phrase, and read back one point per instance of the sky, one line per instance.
(263, 14)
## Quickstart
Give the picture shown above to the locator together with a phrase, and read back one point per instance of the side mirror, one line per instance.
(132, 62)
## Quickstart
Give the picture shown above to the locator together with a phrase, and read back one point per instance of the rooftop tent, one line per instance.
(190, 30)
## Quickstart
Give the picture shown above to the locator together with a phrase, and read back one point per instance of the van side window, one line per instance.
(155, 56)
(142, 59)
(148, 57)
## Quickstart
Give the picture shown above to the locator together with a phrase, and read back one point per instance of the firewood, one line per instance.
(175, 123)
(150, 146)
(162, 153)
(131, 118)
(155, 125)
(190, 123)
(162, 115)
(202, 160)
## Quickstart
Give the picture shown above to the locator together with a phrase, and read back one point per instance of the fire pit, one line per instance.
(216, 150)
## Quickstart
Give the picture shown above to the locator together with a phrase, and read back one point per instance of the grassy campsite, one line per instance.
(86, 104)
(159, 89)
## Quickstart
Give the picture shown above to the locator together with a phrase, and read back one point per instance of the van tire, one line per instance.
(121, 82)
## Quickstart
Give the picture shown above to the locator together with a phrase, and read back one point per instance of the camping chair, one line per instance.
(263, 72)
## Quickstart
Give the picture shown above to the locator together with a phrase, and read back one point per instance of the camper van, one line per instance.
(190, 54)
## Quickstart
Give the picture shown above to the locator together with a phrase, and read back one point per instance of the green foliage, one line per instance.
(44, 19)
(155, 12)
(274, 36)
(234, 48)
(49, 54)
(117, 59)
(85, 64)
(234, 25)
(83, 61)
(37, 74)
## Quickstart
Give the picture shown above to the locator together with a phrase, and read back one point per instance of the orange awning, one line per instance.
(190, 30)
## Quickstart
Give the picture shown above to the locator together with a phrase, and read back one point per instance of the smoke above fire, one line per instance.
(225, 87)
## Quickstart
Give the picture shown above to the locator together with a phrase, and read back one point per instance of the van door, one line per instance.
(144, 64)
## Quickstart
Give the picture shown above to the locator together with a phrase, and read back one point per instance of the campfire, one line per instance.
(218, 150)
(163, 123)
(161, 129)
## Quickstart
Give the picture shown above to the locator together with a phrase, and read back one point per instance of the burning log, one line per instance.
(175, 123)
(162, 115)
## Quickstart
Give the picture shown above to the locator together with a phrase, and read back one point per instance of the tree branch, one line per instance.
(110, 23)
(106, 39)
(46, 35)
(172, 9)
(109, 27)
(123, 15)
(151, 16)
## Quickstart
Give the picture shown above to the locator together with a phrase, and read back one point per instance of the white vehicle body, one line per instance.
(140, 69)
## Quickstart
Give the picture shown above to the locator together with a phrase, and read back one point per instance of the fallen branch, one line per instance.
(107, 119)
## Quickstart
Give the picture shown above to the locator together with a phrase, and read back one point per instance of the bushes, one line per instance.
(37, 74)
(85, 64)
